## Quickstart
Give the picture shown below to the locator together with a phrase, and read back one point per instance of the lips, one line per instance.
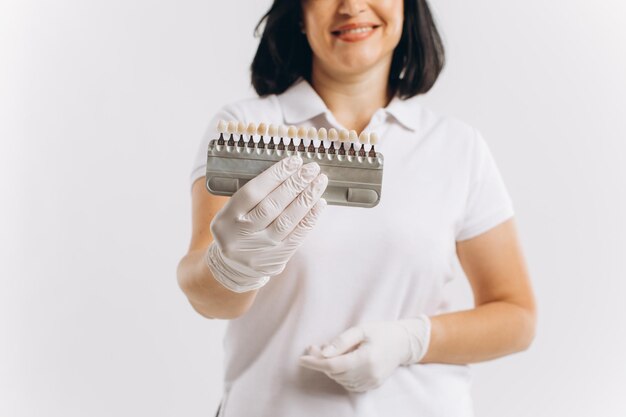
(354, 28)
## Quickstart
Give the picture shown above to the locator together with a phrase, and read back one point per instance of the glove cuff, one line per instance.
(229, 277)
(418, 332)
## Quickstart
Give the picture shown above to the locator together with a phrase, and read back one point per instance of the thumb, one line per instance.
(344, 342)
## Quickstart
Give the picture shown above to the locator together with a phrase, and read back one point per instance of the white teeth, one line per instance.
(332, 134)
(232, 127)
(261, 129)
(292, 132)
(311, 133)
(282, 131)
(302, 132)
(343, 135)
(364, 137)
(241, 128)
(272, 130)
(353, 136)
(321, 134)
(373, 138)
(222, 126)
(251, 128)
(357, 30)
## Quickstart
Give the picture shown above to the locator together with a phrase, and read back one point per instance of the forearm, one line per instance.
(486, 332)
(206, 295)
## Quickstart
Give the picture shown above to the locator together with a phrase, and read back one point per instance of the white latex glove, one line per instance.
(264, 222)
(363, 357)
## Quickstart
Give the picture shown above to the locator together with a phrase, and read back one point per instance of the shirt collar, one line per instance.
(404, 111)
(300, 102)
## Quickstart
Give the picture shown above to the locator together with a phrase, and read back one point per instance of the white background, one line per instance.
(102, 105)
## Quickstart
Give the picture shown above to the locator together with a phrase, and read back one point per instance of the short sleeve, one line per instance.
(198, 168)
(488, 201)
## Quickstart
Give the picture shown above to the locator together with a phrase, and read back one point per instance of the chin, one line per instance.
(358, 63)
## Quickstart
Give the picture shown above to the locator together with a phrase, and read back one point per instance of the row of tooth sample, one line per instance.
(292, 132)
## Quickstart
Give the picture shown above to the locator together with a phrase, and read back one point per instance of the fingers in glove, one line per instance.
(298, 234)
(344, 342)
(275, 203)
(295, 212)
(260, 186)
(351, 384)
(334, 366)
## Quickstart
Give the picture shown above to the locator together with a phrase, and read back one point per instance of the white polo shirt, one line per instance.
(390, 262)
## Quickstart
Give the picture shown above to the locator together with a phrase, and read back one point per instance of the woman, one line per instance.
(295, 276)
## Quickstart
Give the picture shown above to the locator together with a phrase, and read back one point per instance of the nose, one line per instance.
(351, 7)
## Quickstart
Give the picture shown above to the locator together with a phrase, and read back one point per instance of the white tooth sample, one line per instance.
(251, 130)
(332, 134)
(353, 136)
(373, 138)
(302, 132)
(343, 135)
(222, 127)
(241, 128)
(272, 130)
(261, 129)
(311, 133)
(232, 127)
(364, 137)
(282, 131)
(322, 134)
(292, 132)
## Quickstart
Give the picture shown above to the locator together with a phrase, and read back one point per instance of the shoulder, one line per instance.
(438, 129)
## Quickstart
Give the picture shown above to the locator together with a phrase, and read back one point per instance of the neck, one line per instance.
(353, 98)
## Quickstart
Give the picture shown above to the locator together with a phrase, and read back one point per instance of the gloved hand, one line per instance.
(264, 222)
(364, 356)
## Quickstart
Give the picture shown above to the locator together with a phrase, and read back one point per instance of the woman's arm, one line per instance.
(503, 321)
(206, 295)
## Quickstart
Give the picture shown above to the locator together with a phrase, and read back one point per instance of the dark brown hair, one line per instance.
(284, 54)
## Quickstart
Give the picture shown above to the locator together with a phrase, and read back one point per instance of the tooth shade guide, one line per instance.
(232, 129)
(241, 128)
(352, 176)
(302, 140)
(221, 128)
(322, 134)
(261, 129)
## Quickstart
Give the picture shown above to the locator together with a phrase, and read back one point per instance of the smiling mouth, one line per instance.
(357, 30)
